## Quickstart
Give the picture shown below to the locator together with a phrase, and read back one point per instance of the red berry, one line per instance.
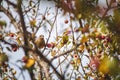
(66, 21)
(43, 17)
(51, 45)
(76, 30)
(48, 45)
(11, 34)
(108, 39)
(102, 37)
(75, 56)
(25, 59)
(14, 47)
(72, 62)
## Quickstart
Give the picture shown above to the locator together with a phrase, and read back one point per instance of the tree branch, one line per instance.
(11, 3)
(65, 52)
(9, 15)
(22, 22)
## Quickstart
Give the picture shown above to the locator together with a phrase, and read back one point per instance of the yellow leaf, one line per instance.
(3, 57)
(14, 72)
(19, 41)
(97, 34)
(85, 28)
(64, 39)
(104, 68)
(3, 23)
(81, 47)
(84, 39)
(78, 61)
(33, 23)
(53, 53)
(30, 62)
(79, 16)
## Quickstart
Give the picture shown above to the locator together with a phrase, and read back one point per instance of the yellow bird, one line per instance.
(40, 42)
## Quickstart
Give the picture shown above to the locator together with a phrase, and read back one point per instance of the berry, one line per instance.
(25, 59)
(75, 56)
(51, 45)
(14, 47)
(43, 17)
(11, 34)
(66, 21)
(102, 37)
(108, 39)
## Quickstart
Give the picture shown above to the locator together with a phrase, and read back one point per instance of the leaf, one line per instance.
(104, 67)
(117, 16)
(103, 28)
(14, 72)
(3, 58)
(79, 16)
(53, 53)
(18, 41)
(8, 49)
(64, 40)
(85, 28)
(30, 62)
(33, 23)
(3, 23)
(81, 48)
(78, 61)
(30, 3)
(84, 39)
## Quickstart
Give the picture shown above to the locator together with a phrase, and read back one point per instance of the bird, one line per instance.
(40, 42)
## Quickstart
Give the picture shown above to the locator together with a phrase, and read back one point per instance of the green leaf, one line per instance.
(8, 49)
(3, 23)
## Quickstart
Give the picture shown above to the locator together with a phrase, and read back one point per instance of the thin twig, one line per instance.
(9, 15)
(11, 3)
(65, 52)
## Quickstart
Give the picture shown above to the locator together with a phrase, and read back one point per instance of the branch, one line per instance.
(22, 22)
(65, 52)
(11, 3)
(38, 53)
(42, 65)
(105, 13)
(25, 33)
(9, 15)
(40, 22)
(52, 25)
(60, 63)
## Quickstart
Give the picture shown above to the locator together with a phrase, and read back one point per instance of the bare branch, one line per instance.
(22, 21)
(9, 15)
(65, 52)
(11, 3)
(38, 53)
